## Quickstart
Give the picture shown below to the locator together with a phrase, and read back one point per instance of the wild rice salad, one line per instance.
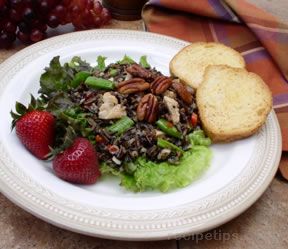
(144, 125)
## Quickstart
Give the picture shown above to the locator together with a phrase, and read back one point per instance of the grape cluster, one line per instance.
(28, 20)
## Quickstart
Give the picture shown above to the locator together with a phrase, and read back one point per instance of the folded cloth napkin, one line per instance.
(258, 29)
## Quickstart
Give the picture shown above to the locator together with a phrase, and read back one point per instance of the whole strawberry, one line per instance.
(78, 163)
(35, 129)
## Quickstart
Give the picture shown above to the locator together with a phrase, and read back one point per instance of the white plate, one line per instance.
(239, 174)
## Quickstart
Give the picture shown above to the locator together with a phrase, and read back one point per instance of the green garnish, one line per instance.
(126, 60)
(164, 176)
(143, 62)
(167, 145)
(99, 83)
(121, 125)
(55, 77)
(113, 72)
(198, 138)
(101, 63)
(78, 65)
(168, 128)
(79, 78)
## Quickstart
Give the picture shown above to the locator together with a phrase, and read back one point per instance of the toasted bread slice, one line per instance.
(189, 64)
(232, 102)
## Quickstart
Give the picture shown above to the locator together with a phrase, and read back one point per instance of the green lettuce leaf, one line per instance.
(55, 77)
(58, 78)
(143, 62)
(126, 60)
(78, 65)
(143, 174)
(59, 103)
(164, 176)
(198, 138)
(101, 63)
(107, 170)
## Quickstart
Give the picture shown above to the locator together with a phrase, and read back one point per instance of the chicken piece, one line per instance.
(170, 94)
(173, 108)
(110, 109)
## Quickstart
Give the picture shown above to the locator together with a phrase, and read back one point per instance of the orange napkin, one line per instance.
(260, 36)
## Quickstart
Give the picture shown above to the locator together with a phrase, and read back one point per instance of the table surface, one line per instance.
(263, 225)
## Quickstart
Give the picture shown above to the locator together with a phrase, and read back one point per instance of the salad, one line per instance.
(125, 119)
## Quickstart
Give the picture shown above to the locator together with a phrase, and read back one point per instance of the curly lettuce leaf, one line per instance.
(59, 78)
(78, 65)
(59, 103)
(198, 138)
(164, 176)
(144, 174)
(55, 77)
(107, 170)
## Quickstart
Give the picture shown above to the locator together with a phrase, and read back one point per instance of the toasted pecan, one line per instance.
(148, 108)
(182, 91)
(138, 71)
(133, 85)
(160, 85)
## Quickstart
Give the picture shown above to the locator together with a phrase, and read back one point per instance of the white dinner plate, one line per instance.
(240, 171)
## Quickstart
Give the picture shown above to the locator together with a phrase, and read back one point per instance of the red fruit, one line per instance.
(78, 163)
(36, 130)
(194, 119)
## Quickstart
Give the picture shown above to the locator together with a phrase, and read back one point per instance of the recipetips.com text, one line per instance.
(212, 235)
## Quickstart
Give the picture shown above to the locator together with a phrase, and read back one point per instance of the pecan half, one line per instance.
(160, 84)
(138, 71)
(182, 91)
(148, 108)
(133, 85)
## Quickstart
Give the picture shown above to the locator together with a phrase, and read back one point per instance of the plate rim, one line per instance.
(155, 228)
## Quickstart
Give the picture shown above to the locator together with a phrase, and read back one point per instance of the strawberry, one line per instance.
(35, 128)
(78, 163)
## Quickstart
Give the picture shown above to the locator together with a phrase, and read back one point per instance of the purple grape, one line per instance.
(2, 3)
(9, 27)
(4, 11)
(15, 15)
(59, 11)
(23, 37)
(6, 39)
(29, 18)
(24, 27)
(36, 35)
(16, 4)
(28, 14)
(53, 21)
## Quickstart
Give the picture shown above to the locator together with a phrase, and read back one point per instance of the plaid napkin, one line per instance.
(259, 35)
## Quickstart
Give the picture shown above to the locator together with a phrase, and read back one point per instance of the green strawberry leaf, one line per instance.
(20, 108)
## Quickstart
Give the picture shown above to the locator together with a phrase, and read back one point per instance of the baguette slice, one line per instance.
(189, 64)
(232, 102)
